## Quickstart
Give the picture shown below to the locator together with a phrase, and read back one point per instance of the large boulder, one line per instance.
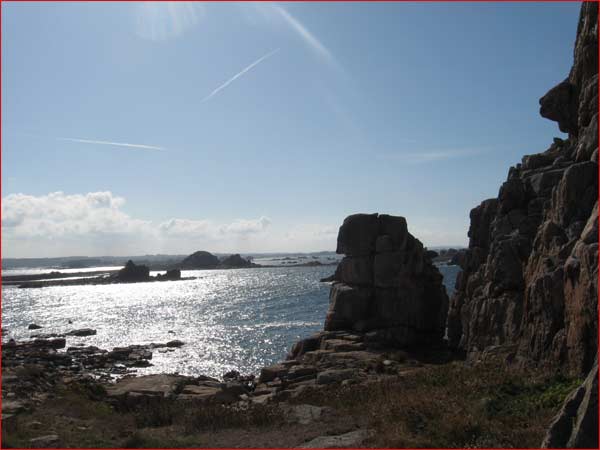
(386, 285)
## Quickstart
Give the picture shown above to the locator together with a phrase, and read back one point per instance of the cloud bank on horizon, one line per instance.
(59, 224)
(95, 224)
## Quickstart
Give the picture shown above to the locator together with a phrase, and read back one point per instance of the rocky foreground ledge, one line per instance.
(38, 372)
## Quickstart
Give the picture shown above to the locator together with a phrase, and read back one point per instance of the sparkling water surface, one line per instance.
(239, 319)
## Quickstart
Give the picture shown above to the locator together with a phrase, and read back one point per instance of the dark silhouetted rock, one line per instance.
(328, 279)
(48, 343)
(200, 260)
(235, 261)
(170, 275)
(132, 272)
(387, 286)
(82, 332)
(431, 254)
(231, 375)
(458, 257)
(33, 326)
(357, 235)
(560, 104)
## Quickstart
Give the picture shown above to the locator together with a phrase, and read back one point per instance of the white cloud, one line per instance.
(245, 227)
(95, 223)
(159, 21)
(57, 215)
(185, 228)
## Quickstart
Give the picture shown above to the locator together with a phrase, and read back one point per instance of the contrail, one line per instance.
(236, 76)
(306, 35)
(118, 144)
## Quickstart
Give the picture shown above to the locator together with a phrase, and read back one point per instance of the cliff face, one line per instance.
(529, 278)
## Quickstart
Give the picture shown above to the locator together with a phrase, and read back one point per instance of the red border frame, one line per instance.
(288, 1)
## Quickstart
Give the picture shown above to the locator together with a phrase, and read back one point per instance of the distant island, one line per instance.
(133, 273)
(196, 260)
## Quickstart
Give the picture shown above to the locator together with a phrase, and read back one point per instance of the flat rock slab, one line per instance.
(358, 359)
(347, 440)
(335, 376)
(82, 332)
(200, 391)
(271, 372)
(150, 385)
(342, 345)
(301, 371)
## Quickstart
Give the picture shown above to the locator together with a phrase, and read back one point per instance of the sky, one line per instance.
(141, 128)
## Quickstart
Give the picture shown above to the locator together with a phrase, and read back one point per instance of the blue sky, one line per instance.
(259, 127)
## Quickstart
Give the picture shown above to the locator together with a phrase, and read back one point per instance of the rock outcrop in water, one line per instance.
(236, 261)
(386, 284)
(529, 278)
(200, 260)
(133, 273)
(206, 260)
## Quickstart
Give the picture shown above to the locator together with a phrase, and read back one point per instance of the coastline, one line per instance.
(87, 278)
(309, 400)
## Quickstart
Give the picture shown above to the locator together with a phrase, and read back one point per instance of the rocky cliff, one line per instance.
(576, 424)
(386, 284)
(529, 278)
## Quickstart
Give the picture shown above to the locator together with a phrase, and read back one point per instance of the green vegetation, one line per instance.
(454, 405)
(449, 405)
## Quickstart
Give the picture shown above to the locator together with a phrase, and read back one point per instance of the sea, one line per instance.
(241, 319)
